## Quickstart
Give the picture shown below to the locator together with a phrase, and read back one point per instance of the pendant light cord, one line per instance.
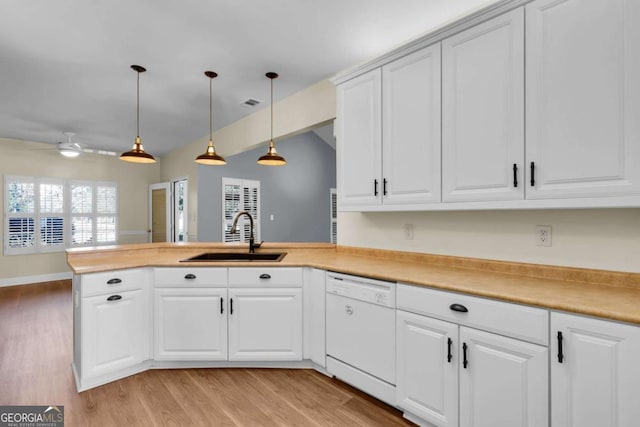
(210, 111)
(138, 107)
(271, 111)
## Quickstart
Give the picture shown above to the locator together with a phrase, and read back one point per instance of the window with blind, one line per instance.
(240, 195)
(94, 209)
(47, 214)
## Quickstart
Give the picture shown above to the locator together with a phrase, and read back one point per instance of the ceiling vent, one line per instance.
(251, 102)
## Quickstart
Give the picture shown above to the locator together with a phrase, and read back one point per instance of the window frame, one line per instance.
(66, 215)
(243, 233)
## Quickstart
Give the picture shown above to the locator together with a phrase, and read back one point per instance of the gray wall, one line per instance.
(297, 194)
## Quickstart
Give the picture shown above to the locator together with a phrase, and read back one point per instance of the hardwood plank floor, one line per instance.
(36, 351)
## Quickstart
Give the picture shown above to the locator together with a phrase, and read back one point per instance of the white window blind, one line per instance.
(20, 210)
(106, 212)
(240, 195)
(334, 215)
(94, 209)
(51, 214)
(47, 214)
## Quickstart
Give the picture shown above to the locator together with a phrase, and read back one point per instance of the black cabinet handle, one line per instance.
(230, 305)
(449, 355)
(375, 187)
(190, 276)
(114, 298)
(384, 187)
(265, 276)
(560, 352)
(114, 281)
(221, 305)
(465, 362)
(459, 308)
(533, 178)
(515, 175)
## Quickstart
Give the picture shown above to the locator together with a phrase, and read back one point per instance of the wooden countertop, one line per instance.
(607, 294)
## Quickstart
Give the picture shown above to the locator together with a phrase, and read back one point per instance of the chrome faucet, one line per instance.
(234, 229)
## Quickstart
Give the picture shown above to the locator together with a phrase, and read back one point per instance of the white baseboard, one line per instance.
(24, 280)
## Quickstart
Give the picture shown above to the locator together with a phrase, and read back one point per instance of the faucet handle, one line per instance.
(257, 245)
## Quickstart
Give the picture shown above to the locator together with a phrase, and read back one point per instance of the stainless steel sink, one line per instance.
(236, 256)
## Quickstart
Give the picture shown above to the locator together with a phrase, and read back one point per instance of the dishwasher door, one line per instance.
(362, 334)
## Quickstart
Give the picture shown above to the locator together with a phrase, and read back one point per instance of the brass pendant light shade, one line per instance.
(272, 158)
(137, 153)
(210, 157)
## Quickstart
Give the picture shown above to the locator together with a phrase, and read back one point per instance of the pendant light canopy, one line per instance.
(137, 153)
(210, 157)
(272, 158)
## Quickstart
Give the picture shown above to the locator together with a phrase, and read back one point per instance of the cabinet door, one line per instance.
(427, 368)
(358, 135)
(114, 332)
(265, 324)
(596, 384)
(314, 316)
(583, 98)
(503, 383)
(190, 324)
(483, 111)
(411, 128)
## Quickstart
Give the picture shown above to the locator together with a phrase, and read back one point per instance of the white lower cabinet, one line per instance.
(265, 324)
(503, 381)
(190, 324)
(451, 374)
(594, 372)
(114, 332)
(426, 376)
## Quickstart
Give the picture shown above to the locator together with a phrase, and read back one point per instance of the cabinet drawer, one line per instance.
(113, 281)
(268, 276)
(190, 277)
(514, 320)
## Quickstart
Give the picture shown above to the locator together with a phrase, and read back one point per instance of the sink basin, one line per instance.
(236, 256)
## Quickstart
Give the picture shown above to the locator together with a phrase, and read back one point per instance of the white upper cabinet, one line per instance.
(583, 98)
(483, 111)
(388, 132)
(411, 128)
(359, 139)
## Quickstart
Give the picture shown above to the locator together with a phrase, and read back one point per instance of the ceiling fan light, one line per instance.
(69, 150)
(137, 154)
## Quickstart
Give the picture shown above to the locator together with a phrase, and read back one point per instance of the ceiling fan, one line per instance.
(72, 149)
(69, 148)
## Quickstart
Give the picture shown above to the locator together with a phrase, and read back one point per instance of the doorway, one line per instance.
(169, 211)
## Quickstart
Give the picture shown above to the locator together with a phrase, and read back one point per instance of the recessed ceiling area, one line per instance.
(65, 63)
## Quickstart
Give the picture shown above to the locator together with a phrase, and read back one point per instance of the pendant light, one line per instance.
(137, 153)
(210, 157)
(272, 158)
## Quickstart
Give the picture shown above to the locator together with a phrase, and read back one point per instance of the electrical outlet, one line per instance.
(543, 235)
(408, 231)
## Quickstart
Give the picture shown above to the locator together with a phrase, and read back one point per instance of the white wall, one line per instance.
(37, 159)
(591, 238)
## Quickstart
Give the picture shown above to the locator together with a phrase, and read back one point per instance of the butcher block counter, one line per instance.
(606, 294)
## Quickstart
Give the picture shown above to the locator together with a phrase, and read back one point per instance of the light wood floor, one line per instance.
(36, 354)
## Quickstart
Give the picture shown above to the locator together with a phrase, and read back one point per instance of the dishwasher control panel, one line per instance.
(361, 288)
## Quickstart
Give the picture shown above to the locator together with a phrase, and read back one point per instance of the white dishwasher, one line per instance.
(361, 333)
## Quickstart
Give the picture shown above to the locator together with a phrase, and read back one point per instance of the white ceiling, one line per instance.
(64, 64)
